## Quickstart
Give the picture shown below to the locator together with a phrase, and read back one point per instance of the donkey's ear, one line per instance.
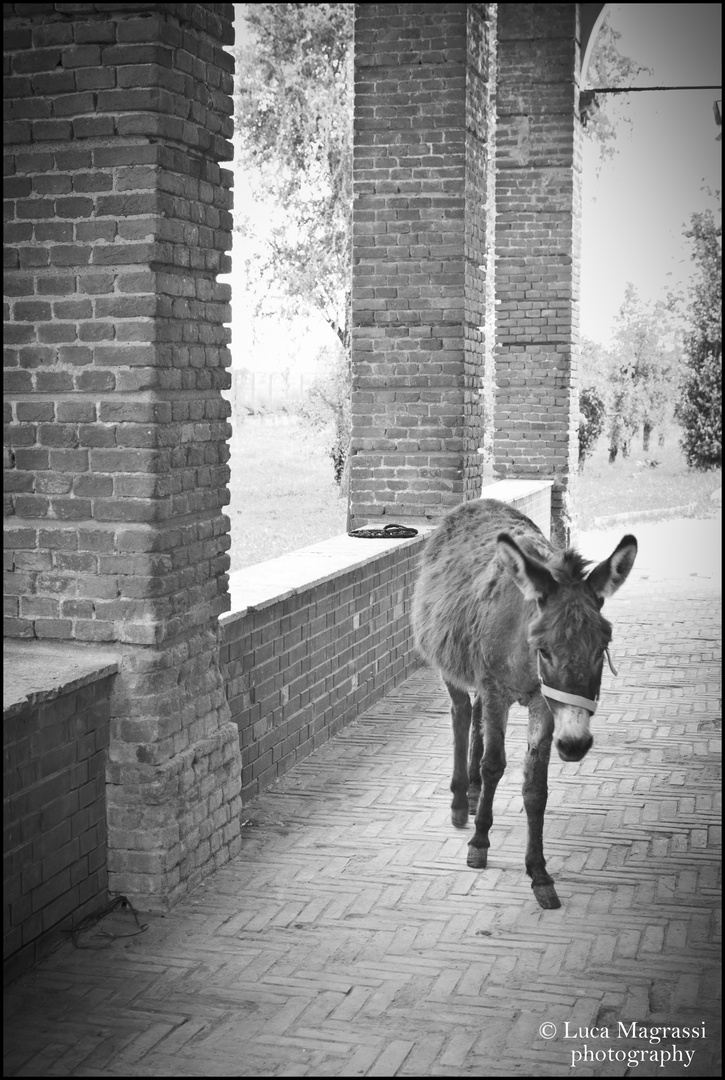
(532, 578)
(606, 578)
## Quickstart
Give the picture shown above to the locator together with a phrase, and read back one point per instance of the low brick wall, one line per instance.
(55, 836)
(313, 639)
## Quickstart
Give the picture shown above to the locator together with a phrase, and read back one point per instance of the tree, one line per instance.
(699, 409)
(591, 424)
(643, 372)
(327, 404)
(607, 67)
(293, 118)
(595, 367)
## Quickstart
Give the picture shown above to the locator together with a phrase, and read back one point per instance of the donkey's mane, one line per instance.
(568, 567)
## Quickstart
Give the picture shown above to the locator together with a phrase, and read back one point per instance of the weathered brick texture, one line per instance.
(465, 115)
(538, 248)
(55, 840)
(118, 222)
(299, 668)
(421, 274)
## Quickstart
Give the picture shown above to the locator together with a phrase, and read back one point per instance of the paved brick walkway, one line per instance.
(350, 939)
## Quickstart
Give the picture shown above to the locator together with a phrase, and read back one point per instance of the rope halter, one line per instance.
(569, 699)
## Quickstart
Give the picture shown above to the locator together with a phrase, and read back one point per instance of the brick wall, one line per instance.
(118, 222)
(302, 665)
(430, 166)
(423, 144)
(55, 841)
(118, 219)
(538, 248)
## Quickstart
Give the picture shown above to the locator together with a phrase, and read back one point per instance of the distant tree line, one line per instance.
(665, 363)
(630, 387)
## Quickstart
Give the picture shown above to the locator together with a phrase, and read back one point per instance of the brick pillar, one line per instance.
(422, 247)
(116, 354)
(538, 169)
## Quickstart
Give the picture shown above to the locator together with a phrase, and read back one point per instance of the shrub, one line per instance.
(699, 409)
(591, 424)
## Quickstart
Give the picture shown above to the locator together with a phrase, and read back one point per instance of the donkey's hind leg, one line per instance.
(461, 719)
(493, 763)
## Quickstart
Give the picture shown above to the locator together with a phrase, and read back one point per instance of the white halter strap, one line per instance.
(569, 699)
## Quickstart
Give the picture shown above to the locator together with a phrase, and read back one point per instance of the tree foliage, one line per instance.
(643, 373)
(327, 406)
(595, 365)
(699, 409)
(608, 67)
(293, 118)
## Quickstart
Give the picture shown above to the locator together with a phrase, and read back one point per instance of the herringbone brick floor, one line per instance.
(350, 938)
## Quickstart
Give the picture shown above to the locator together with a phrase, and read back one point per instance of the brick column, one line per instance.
(422, 220)
(118, 219)
(538, 167)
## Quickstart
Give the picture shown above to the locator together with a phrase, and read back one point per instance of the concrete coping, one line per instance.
(512, 490)
(266, 583)
(36, 671)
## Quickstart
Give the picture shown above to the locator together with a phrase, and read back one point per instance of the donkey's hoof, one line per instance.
(459, 818)
(546, 896)
(477, 857)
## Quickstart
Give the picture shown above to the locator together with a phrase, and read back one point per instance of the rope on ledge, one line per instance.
(390, 532)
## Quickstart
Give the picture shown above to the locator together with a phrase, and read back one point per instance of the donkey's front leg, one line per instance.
(535, 789)
(493, 763)
(461, 720)
(475, 753)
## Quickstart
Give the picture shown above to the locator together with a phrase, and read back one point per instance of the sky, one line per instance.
(635, 210)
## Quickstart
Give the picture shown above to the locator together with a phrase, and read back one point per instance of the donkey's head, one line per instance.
(567, 631)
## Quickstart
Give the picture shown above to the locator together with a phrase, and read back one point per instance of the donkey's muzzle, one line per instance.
(573, 749)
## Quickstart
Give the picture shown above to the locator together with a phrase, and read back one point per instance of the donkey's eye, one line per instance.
(546, 654)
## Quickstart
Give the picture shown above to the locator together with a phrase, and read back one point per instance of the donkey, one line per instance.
(498, 610)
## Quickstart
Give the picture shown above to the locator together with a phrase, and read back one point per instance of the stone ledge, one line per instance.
(645, 515)
(267, 583)
(510, 491)
(38, 671)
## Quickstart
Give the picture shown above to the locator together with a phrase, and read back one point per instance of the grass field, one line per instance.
(629, 485)
(283, 495)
